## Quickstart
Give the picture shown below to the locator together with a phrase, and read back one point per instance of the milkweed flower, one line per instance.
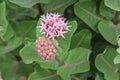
(45, 48)
(53, 25)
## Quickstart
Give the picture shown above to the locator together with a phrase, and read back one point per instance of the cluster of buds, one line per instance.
(52, 25)
(45, 48)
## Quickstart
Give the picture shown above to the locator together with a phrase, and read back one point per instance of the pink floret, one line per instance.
(53, 25)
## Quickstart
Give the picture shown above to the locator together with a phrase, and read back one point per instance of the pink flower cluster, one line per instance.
(45, 48)
(53, 25)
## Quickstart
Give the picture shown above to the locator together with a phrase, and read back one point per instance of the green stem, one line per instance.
(116, 17)
(74, 77)
(3, 41)
(59, 61)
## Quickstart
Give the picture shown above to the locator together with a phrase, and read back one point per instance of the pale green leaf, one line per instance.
(28, 3)
(58, 6)
(28, 53)
(77, 62)
(113, 4)
(104, 63)
(43, 74)
(11, 45)
(64, 43)
(87, 14)
(82, 39)
(109, 31)
(117, 59)
(3, 20)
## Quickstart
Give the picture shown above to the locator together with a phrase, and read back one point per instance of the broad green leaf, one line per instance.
(117, 59)
(113, 4)
(87, 14)
(28, 53)
(106, 11)
(118, 50)
(82, 39)
(3, 20)
(11, 69)
(1, 1)
(109, 31)
(64, 43)
(99, 76)
(20, 13)
(58, 6)
(84, 76)
(38, 30)
(104, 63)
(24, 69)
(11, 45)
(25, 29)
(8, 67)
(28, 3)
(77, 62)
(9, 33)
(43, 74)
(49, 65)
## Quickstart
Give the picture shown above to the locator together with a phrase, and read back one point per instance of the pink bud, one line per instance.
(45, 48)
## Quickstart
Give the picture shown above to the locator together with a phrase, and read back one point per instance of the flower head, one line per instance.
(53, 25)
(45, 48)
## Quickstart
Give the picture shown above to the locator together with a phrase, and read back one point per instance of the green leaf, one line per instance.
(49, 65)
(43, 74)
(99, 76)
(118, 50)
(28, 53)
(11, 45)
(9, 33)
(64, 43)
(84, 76)
(109, 31)
(1, 1)
(113, 4)
(8, 67)
(3, 20)
(20, 13)
(106, 11)
(82, 39)
(25, 29)
(38, 30)
(28, 3)
(117, 59)
(104, 63)
(87, 14)
(11, 69)
(24, 69)
(77, 62)
(58, 6)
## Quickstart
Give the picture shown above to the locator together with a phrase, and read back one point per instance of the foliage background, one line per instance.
(88, 51)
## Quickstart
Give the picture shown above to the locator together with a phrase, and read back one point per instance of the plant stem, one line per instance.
(116, 17)
(40, 11)
(59, 61)
(74, 77)
(3, 41)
